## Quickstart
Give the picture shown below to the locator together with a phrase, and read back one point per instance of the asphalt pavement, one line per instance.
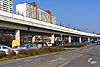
(88, 56)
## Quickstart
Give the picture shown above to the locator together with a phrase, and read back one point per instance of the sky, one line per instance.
(83, 14)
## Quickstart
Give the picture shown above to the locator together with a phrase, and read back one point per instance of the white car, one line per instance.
(5, 48)
(49, 44)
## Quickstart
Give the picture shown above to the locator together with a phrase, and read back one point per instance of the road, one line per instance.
(82, 57)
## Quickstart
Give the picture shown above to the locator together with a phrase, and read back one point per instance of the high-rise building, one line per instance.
(53, 19)
(26, 10)
(30, 10)
(43, 15)
(6, 5)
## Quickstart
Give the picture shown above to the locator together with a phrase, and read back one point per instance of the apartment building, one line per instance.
(30, 10)
(53, 19)
(6, 5)
(43, 15)
(26, 10)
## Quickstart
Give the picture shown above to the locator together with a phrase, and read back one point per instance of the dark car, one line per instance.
(98, 42)
(93, 41)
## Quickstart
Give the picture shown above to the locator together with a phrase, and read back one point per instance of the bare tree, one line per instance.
(61, 24)
(74, 28)
(78, 29)
(68, 25)
(93, 32)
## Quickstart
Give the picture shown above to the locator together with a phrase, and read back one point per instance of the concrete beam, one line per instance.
(8, 25)
(61, 38)
(89, 39)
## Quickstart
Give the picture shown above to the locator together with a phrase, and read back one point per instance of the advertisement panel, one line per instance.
(15, 43)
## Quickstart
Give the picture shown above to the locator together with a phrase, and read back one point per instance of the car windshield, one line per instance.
(98, 41)
(15, 47)
(40, 43)
(4, 47)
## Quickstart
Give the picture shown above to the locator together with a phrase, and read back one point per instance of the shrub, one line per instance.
(2, 54)
(12, 53)
(51, 49)
(40, 51)
(75, 46)
(30, 52)
(23, 51)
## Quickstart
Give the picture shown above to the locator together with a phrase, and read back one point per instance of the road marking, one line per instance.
(64, 64)
(38, 60)
(58, 59)
(80, 55)
(28, 61)
(90, 59)
(18, 66)
(93, 62)
(84, 49)
(53, 60)
(62, 59)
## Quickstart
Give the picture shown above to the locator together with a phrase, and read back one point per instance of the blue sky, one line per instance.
(83, 14)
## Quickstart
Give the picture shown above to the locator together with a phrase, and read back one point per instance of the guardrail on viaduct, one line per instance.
(30, 20)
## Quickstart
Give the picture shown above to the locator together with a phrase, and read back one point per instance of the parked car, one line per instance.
(92, 41)
(39, 45)
(5, 48)
(34, 45)
(26, 46)
(56, 44)
(29, 46)
(98, 42)
(45, 44)
(87, 43)
(49, 44)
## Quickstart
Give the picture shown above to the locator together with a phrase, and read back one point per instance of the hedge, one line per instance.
(75, 46)
(11, 53)
(43, 50)
(2, 54)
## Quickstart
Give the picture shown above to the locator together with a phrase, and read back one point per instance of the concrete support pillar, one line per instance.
(80, 39)
(52, 38)
(33, 39)
(17, 35)
(92, 39)
(61, 38)
(88, 39)
(69, 39)
(56, 39)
